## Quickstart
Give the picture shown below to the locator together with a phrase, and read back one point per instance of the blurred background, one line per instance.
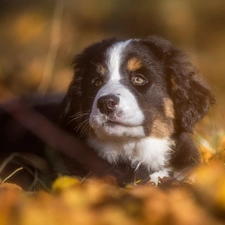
(38, 39)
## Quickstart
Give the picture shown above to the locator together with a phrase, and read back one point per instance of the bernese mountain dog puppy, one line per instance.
(134, 102)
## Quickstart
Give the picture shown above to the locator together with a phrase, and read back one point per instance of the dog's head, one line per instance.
(133, 89)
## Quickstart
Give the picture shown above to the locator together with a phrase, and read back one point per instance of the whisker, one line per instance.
(85, 127)
(76, 118)
(81, 114)
(80, 125)
(78, 115)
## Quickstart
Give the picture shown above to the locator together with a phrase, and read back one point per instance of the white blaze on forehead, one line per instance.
(127, 115)
(114, 59)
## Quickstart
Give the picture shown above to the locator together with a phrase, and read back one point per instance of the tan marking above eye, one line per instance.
(134, 64)
(101, 69)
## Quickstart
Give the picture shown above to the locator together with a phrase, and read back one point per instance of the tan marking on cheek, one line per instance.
(162, 129)
(134, 64)
(168, 108)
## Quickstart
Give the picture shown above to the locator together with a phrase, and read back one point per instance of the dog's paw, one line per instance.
(156, 178)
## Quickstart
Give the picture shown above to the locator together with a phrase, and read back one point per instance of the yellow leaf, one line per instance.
(65, 182)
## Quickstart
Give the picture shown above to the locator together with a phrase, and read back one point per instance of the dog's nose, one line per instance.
(107, 104)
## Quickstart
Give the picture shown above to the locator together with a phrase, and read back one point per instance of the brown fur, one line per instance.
(134, 64)
(168, 108)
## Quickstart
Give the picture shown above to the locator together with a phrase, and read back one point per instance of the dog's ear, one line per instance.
(190, 94)
(71, 102)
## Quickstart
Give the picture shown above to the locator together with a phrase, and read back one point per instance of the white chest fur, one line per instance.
(151, 152)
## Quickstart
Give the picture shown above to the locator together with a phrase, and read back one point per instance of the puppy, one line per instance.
(134, 102)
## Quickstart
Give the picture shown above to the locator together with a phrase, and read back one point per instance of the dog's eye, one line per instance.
(98, 82)
(139, 80)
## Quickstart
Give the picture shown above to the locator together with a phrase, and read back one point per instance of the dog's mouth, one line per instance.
(114, 123)
(117, 125)
(118, 130)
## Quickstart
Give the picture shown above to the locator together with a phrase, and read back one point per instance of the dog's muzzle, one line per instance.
(116, 113)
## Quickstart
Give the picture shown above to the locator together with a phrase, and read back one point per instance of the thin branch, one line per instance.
(7, 161)
(61, 141)
(14, 172)
(53, 48)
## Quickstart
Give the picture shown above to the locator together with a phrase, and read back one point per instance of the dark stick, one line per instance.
(60, 140)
